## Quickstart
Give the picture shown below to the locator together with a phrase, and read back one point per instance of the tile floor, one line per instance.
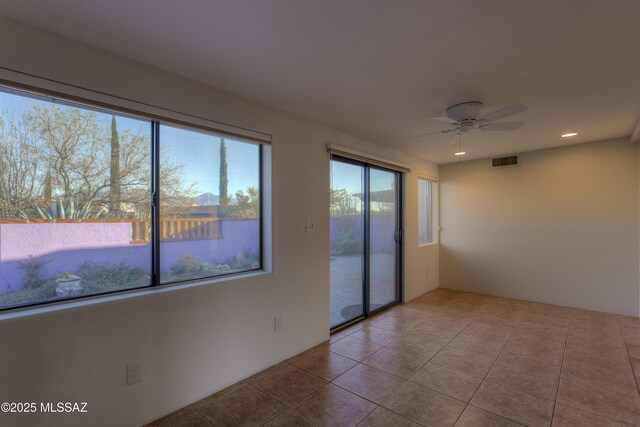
(447, 358)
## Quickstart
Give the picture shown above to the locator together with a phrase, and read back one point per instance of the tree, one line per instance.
(114, 169)
(343, 203)
(249, 204)
(20, 183)
(51, 151)
(223, 207)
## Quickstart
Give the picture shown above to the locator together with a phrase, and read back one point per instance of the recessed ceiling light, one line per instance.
(460, 153)
(568, 135)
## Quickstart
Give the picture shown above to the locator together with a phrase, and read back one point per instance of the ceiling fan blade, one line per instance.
(443, 119)
(431, 133)
(502, 126)
(507, 111)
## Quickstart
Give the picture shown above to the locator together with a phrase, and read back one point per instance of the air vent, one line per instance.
(504, 161)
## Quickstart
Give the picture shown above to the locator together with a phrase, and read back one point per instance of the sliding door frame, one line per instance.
(366, 238)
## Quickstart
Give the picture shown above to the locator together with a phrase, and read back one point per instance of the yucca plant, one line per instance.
(68, 208)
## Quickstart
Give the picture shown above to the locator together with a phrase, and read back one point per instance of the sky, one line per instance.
(351, 178)
(199, 152)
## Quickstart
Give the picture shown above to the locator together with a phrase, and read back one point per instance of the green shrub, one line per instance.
(189, 264)
(34, 272)
(345, 244)
(245, 260)
(27, 295)
(191, 267)
(99, 278)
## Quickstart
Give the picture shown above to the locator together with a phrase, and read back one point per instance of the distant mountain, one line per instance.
(210, 199)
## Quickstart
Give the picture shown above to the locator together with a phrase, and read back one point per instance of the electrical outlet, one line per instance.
(277, 323)
(311, 225)
(134, 373)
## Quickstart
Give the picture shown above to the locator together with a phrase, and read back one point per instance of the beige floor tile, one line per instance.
(275, 368)
(417, 346)
(397, 324)
(513, 404)
(395, 362)
(635, 364)
(244, 405)
(185, 417)
(531, 380)
(289, 384)
(476, 417)
(424, 406)
(376, 335)
(334, 406)
(307, 352)
(542, 331)
(466, 361)
(354, 348)
(634, 351)
(290, 418)
(620, 407)
(566, 416)
(368, 382)
(382, 417)
(445, 343)
(600, 377)
(447, 381)
(613, 361)
(535, 358)
(325, 364)
(546, 321)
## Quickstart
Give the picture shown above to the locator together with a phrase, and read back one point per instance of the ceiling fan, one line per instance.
(464, 118)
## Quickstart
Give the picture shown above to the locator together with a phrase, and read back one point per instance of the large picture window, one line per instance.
(77, 211)
(209, 205)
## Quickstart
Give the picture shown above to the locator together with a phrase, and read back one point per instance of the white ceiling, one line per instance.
(379, 69)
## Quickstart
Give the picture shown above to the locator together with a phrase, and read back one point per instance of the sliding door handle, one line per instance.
(397, 236)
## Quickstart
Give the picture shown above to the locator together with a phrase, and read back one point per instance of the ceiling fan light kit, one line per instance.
(464, 117)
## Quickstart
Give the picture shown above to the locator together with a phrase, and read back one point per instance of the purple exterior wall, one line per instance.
(67, 245)
(383, 228)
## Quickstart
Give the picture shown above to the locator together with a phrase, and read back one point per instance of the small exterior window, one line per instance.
(426, 227)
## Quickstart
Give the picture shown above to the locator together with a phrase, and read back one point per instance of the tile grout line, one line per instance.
(626, 348)
(564, 355)
(588, 411)
(421, 366)
(484, 379)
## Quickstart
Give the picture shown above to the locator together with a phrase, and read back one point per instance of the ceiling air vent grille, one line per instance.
(504, 161)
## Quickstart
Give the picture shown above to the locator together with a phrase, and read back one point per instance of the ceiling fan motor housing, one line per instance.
(465, 111)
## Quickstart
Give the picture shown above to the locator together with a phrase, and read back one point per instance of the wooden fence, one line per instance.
(172, 229)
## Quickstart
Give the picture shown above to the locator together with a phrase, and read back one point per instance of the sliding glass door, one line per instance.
(384, 236)
(364, 241)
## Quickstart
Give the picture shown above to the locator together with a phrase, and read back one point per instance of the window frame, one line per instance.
(431, 218)
(241, 135)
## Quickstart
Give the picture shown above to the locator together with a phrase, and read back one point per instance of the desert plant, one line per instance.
(66, 208)
(34, 271)
(27, 296)
(189, 264)
(247, 259)
(67, 277)
(345, 244)
(191, 267)
(98, 278)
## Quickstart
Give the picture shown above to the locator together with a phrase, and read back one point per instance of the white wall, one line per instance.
(191, 341)
(561, 227)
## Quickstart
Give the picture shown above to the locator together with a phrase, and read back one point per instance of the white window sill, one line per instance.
(425, 245)
(55, 306)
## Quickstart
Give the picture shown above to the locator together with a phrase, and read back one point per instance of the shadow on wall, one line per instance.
(65, 247)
